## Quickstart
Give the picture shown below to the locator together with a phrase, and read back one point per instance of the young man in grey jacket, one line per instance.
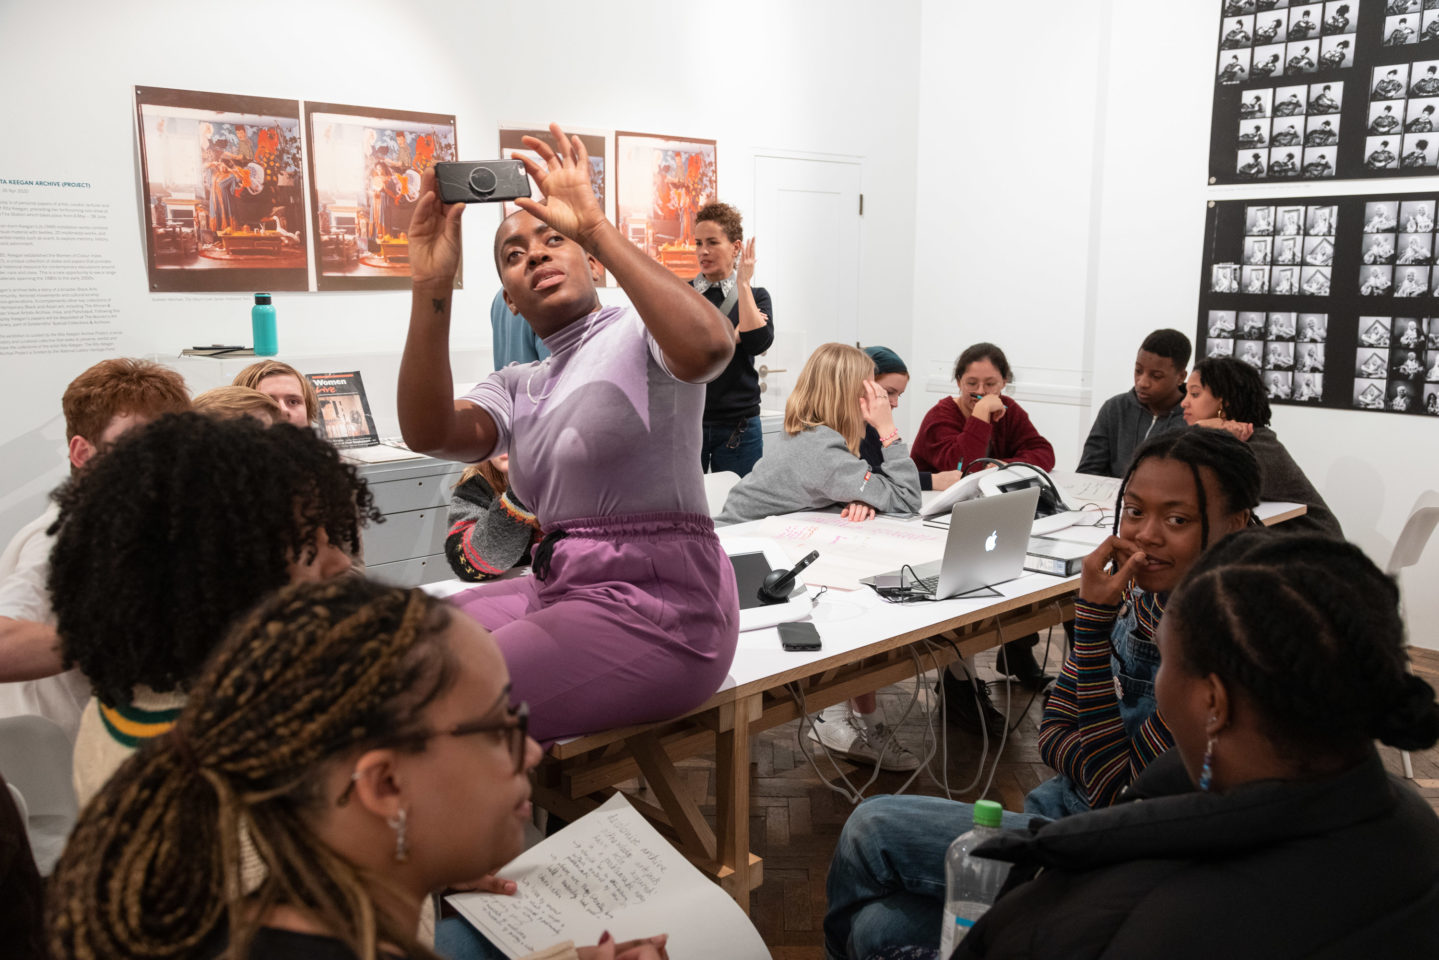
(1150, 408)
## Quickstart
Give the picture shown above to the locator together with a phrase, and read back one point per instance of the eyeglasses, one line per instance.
(515, 726)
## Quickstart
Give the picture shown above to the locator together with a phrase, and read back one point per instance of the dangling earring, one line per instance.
(397, 824)
(1206, 772)
(1220, 412)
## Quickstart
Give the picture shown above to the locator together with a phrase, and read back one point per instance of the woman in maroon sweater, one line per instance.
(980, 422)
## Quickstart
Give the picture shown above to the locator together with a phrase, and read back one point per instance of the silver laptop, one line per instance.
(986, 544)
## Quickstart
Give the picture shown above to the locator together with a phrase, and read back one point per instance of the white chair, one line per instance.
(717, 488)
(36, 758)
(1407, 550)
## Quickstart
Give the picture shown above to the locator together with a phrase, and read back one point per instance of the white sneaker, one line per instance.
(846, 735)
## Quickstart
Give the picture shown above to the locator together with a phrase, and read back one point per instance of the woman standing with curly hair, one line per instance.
(165, 541)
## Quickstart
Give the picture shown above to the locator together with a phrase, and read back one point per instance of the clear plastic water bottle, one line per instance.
(971, 883)
(262, 326)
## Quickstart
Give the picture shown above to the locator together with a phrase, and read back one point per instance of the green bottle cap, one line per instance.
(987, 813)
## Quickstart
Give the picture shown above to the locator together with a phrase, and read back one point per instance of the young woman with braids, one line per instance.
(1283, 662)
(1184, 490)
(163, 542)
(362, 738)
(1229, 393)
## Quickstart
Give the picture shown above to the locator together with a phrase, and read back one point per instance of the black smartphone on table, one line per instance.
(799, 636)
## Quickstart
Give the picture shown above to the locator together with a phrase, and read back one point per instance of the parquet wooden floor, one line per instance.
(797, 817)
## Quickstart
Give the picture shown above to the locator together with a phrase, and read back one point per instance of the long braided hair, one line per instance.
(1227, 457)
(1311, 630)
(317, 672)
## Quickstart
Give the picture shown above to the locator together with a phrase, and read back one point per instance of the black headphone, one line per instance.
(776, 586)
(1051, 501)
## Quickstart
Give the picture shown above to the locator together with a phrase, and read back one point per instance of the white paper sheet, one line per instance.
(848, 550)
(610, 870)
(386, 451)
(1082, 488)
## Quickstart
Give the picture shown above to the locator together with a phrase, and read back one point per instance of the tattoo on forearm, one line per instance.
(439, 305)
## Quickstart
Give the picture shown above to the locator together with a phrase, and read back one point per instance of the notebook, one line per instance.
(985, 545)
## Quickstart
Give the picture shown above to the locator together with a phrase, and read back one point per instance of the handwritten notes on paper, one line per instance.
(611, 871)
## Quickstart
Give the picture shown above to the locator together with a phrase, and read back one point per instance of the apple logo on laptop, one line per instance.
(990, 541)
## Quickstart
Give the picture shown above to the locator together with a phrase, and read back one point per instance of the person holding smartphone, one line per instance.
(632, 614)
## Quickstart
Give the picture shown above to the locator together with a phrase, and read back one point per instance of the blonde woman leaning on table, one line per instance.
(816, 464)
(364, 738)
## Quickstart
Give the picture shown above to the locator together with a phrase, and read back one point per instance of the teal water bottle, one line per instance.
(262, 325)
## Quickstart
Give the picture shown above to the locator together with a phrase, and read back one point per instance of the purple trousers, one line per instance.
(636, 621)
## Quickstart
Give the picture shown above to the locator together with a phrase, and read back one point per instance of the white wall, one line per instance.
(1008, 107)
(781, 76)
(1131, 198)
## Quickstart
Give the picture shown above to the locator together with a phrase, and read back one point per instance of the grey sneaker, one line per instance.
(848, 736)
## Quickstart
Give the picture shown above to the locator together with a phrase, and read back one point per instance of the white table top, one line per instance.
(850, 620)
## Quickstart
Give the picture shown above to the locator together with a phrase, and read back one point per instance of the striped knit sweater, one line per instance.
(488, 534)
(108, 735)
(1082, 734)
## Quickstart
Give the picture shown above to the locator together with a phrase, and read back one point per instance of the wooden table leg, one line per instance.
(689, 824)
(739, 873)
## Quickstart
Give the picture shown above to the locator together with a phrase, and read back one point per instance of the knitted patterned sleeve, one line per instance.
(488, 535)
(1082, 734)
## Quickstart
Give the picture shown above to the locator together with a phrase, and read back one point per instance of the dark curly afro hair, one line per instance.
(168, 537)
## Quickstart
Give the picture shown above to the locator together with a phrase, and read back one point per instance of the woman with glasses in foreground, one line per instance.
(360, 742)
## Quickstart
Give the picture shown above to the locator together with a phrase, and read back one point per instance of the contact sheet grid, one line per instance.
(1337, 89)
(1335, 300)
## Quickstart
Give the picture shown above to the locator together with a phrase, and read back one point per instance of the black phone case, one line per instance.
(799, 636)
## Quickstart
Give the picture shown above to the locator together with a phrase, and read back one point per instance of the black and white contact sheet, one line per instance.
(1325, 90)
(1334, 300)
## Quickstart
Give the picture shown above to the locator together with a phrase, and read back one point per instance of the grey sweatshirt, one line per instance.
(1122, 425)
(1281, 479)
(814, 469)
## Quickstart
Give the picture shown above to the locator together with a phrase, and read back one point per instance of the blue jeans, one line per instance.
(735, 446)
(886, 881)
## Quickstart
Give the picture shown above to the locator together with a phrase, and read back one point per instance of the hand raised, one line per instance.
(874, 407)
(1096, 583)
(746, 263)
(564, 178)
(434, 236)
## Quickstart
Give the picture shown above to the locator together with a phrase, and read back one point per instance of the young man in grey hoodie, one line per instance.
(1148, 409)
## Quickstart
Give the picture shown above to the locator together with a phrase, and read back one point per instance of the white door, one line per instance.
(806, 225)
